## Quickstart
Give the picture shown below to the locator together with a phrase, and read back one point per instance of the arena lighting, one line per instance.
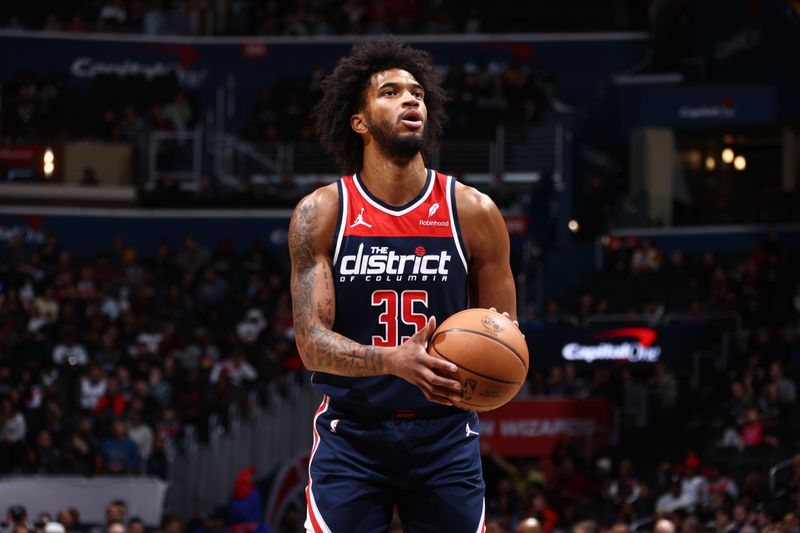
(573, 226)
(49, 160)
(711, 163)
(727, 155)
(740, 163)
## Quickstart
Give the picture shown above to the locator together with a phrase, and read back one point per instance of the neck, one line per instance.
(392, 181)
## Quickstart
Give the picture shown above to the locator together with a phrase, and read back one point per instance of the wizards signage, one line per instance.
(597, 345)
(527, 428)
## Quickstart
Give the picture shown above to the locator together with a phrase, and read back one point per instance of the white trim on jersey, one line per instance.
(482, 523)
(342, 222)
(376, 205)
(451, 183)
(312, 503)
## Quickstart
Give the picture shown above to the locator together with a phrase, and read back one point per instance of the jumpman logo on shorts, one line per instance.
(359, 221)
(470, 432)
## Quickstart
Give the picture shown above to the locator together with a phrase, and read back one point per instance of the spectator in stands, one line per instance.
(251, 327)
(528, 525)
(80, 451)
(159, 388)
(236, 368)
(141, 434)
(135, 525)
(14, 426)
(157, 462)
(168, 426)
(787, 390)
(694, 484)
(665, 387)
(625, 487)
(645, 258)
(132, 125)
(664, 526)
(43, 457)
(69, 518)
(17, 517)
(585, 526)
(112, 404)
(179, 111)
(191, 255)
(674, 498)
(119, 453)
(70, 352)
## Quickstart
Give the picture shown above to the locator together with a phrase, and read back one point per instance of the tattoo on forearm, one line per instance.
(324, 348)
(336, 352)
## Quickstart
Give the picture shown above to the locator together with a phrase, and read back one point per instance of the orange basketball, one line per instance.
(491, 355)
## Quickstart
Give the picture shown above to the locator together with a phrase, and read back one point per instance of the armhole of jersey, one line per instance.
(451, 206)
(337, 242)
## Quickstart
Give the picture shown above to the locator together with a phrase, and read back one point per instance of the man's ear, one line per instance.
(359, 124)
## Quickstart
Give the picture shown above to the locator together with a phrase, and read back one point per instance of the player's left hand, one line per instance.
(505, 314)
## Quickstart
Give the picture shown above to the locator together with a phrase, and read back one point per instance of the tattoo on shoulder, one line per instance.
(301, 236)
(313, 306)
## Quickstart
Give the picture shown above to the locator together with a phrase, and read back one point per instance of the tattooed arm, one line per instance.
(311, 234)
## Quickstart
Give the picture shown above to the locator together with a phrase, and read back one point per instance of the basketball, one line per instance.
(490, 353)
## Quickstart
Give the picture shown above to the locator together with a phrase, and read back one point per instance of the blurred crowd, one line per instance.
(106, 361)
(242, 513)
(696, 443)
(319, 17)
(43, 107)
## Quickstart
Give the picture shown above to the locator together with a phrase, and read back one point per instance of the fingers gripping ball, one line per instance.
(490, 353)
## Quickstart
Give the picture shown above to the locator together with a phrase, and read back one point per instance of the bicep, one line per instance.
(491, 280)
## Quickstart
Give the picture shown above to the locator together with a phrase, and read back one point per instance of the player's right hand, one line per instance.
(435, 377)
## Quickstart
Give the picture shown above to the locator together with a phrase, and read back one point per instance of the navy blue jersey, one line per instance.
(393, 268)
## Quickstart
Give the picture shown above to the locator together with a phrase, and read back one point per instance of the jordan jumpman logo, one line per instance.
(359, 221)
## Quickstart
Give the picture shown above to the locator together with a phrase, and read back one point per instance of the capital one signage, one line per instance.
(634, 345)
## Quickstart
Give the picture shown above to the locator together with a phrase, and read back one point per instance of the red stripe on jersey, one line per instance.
(430, 217)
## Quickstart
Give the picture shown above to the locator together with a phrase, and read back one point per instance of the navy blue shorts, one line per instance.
(361, 469)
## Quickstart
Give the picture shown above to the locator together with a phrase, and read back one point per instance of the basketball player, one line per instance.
(377, 259)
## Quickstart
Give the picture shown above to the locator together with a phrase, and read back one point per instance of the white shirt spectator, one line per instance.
(14, 429)
(151, 339)
(72, 354)
(113, 12)
(142, 435)
(669, 502)
(236, 368)
(694, 489)
(91, 392)
(251, 327)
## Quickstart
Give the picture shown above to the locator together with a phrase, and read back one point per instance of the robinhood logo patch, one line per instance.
(635, 345)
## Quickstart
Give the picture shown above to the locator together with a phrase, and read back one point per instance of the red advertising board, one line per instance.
(527, 428)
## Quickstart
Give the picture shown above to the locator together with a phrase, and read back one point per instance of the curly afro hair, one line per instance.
(344, 94)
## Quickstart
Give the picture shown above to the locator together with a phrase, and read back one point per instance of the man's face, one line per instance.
(395, 113)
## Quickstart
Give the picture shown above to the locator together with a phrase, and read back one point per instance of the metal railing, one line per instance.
(773, 471)
(521, 153)
(177, 152)
(202, 475)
